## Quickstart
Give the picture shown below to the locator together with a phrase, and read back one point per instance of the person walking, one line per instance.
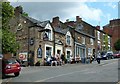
(98, 58)
(63, 58)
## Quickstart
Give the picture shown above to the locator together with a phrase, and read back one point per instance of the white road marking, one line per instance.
(61, 75)
(70, 73)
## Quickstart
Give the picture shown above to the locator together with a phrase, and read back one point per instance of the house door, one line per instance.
(68, 54)
(48, 51)
(59, 52)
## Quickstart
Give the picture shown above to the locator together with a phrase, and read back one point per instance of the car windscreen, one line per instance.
(103, 53)
(10, 61)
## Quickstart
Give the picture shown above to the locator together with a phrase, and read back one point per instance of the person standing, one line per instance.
(98, 58)
(63, 58)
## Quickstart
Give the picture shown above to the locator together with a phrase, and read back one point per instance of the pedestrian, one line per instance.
(91, 59)
(48, 61)
(53, 61)
(98, 58)
(63, 58)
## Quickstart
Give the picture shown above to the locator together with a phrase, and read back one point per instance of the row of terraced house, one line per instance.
(41, 39)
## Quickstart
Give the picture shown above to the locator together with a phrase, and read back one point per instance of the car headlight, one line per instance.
(104, 55)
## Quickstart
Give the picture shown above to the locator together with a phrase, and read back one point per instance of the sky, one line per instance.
(92, 12)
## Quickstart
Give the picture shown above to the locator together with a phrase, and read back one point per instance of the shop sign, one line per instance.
(23, 56)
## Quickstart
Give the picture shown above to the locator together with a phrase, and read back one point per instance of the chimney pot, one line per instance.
(78, 19)
(98, 27)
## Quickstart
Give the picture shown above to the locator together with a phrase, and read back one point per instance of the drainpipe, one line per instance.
(74, 45)
(28, 45)
(54, 41)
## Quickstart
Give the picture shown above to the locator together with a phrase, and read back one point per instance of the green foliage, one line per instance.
(25, 14)
(9, 43)
(7, 13)
(106, 41)
(117, 45)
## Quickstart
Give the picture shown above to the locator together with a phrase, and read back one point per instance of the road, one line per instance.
(107, 71)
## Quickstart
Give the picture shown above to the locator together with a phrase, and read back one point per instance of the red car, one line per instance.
(10, 66)
(116, 55)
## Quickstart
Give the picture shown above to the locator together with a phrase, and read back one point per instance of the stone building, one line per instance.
(36, 38)
(41, 39)
(82, 37)
(103, 40)
(113, 29)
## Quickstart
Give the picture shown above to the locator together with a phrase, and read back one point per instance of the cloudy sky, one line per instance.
(94, 13)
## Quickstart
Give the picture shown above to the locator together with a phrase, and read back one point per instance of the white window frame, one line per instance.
(46, 45)
(68, 34)
(90, 51)
(108, 39)
(98, 35)
(91, 41)
(70, 52)
(48, 26)
(83, 40)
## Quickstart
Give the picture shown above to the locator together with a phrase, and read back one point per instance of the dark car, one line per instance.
(116, 55)
(107, 55)
(10, 66)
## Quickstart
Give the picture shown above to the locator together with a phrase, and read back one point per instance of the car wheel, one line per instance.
(112, 57)
(106, 58)
(17, 74)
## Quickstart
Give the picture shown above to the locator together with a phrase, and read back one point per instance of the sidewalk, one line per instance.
(94, 63)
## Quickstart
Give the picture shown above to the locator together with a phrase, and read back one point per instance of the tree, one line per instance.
(106, 41)
(117, 45)
(9, 44)
(25, 14)
(7, 13)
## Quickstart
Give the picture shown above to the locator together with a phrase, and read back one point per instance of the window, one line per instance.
(77, 50)
(68, 54)
(98, 35)
(83, 40)
(47, 35)
(108, 39)
(39, 52)
(19, 27)
(80, 26)
(89, 51)
(91, 41)
(68, 40)
(48, 51)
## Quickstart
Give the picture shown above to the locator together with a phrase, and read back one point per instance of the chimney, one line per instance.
(98, 27)
(18, 10)
(78, 19)
(56, 22)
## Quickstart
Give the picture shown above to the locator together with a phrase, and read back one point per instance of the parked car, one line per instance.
(10, 66)
(116, 55)
(107, 55)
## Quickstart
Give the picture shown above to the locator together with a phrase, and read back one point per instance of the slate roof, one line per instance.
(81, 32)
(39, 23)
(61, 30)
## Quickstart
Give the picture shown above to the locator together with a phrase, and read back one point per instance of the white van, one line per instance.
(107, 55)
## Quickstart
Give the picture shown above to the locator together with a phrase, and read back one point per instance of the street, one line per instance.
(107, 71)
